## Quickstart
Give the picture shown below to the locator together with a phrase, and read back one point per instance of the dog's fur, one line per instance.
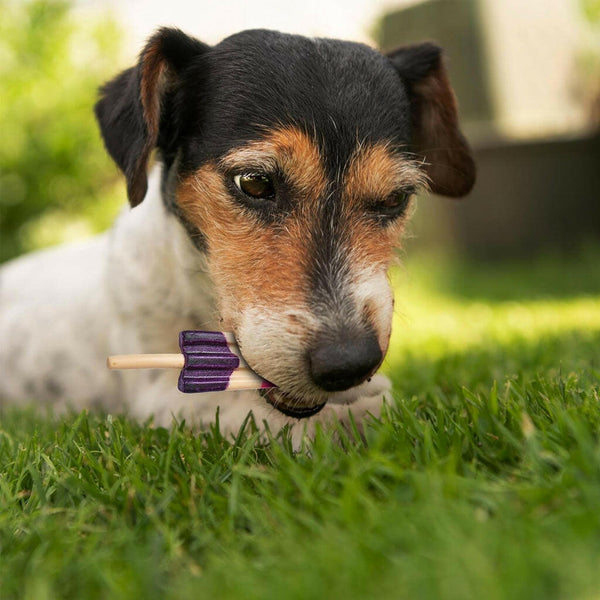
(345, 135)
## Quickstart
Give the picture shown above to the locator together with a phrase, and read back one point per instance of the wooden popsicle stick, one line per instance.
(156, 361)
(248, 385)
(244, 377)
(230, 338)
(146, 361)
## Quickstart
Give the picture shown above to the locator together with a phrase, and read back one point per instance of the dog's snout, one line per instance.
(342, 361)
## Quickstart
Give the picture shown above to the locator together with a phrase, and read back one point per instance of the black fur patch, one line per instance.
(252, 82)
(214, 99)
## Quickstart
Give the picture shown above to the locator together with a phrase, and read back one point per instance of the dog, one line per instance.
(285, 168)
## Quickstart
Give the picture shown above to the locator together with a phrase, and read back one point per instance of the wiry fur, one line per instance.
(300, 279)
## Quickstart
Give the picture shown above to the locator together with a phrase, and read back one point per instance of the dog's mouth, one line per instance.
(290, 406)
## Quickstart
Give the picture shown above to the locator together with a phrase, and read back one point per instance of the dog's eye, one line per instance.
(394, 205)
(255, 185)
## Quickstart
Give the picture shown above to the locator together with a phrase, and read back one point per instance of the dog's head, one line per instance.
(291, 162)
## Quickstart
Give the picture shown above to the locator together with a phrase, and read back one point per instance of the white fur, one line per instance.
(372, 287)
(131, 290)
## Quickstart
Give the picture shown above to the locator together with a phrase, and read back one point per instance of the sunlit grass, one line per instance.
(432, 318)
(481, 480)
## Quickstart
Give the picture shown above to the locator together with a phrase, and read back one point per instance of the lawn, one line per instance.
(482, 480)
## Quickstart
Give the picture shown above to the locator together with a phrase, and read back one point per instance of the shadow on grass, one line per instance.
(543, 278)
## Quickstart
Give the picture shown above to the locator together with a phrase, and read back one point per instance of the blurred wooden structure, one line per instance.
(534, 192)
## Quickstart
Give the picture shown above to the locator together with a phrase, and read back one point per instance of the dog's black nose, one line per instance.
(338, 362)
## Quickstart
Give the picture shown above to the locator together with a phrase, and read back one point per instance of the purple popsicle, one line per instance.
(210, 363)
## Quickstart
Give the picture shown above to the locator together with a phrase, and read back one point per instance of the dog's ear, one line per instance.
(436, 135)
(132, 105)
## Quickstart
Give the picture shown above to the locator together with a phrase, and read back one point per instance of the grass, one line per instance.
(481, 481)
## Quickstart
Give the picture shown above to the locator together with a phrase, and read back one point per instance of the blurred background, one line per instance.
(527, 76)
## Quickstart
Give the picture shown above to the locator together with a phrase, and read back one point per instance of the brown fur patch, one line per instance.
(255, 264)
(266, 265)
(375, 172)
(292, 152)
(372, 248)
(153, 81)
(154, 68)
(449, 162)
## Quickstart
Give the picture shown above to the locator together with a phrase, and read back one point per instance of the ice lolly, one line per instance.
(210, 361)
